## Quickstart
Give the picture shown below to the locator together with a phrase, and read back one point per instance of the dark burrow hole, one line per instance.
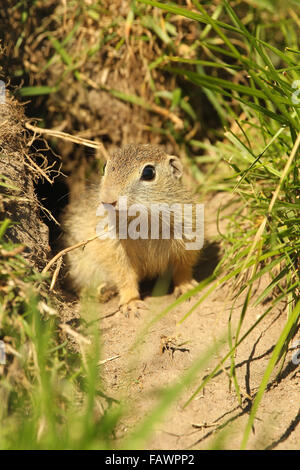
(53, 198)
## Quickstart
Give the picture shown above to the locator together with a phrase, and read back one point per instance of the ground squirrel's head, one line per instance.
(143, 173)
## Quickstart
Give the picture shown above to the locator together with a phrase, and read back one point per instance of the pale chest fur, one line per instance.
(152, 257)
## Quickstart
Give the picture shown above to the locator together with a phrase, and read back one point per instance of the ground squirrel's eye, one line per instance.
(148, 173)
(103, 168)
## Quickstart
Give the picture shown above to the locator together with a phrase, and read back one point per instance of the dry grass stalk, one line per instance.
(66, 250)
(69, 137)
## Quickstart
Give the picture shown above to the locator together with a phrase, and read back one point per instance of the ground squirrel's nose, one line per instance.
(108, 195)
(111, 203)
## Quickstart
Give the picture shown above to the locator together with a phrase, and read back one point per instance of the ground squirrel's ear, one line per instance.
(176, 166)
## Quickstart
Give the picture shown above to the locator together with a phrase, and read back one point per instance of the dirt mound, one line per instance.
(18, 170)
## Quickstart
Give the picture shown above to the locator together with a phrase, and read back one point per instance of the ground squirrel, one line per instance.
(145, 174)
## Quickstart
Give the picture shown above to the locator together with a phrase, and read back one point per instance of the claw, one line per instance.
(134, 306)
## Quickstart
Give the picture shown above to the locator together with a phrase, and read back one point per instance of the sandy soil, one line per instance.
(214, 417)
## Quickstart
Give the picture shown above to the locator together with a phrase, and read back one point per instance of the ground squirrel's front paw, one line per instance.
(185, 287)
(106, 292)
(134, 307)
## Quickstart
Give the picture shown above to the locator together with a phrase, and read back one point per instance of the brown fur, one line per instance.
(126, 262)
